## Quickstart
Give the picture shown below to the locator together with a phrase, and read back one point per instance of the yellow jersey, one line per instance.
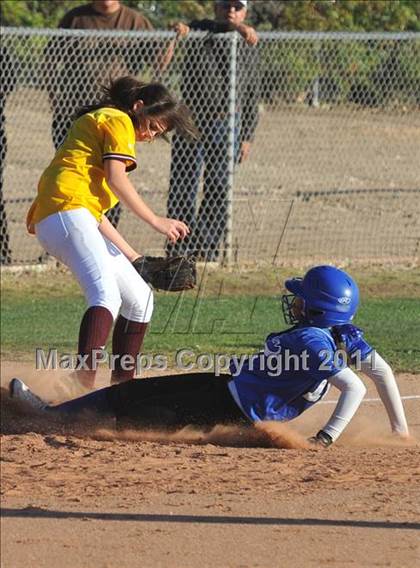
(76, 178)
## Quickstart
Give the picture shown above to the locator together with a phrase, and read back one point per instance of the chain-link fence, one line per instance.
(331, 123)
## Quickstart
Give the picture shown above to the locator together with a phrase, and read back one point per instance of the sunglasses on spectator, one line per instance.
(228, 5)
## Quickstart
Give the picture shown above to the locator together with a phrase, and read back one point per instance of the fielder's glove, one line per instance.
(172, 274)
(321, 439)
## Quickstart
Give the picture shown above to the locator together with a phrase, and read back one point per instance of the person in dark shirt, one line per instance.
(205, 88)
(104, 15)
(82, 61)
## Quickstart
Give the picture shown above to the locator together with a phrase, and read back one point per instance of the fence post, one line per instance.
(315, 84)
(231, 147)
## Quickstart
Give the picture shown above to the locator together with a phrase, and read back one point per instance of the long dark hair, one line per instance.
(159, 104)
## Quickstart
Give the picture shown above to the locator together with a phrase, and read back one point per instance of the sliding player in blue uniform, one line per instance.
(294, 371)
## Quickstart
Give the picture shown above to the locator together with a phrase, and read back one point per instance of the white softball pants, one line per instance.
(106, 276)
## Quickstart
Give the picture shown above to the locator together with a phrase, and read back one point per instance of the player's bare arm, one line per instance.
(116, 177)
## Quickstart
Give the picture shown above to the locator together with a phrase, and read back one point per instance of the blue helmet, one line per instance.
(330, 297)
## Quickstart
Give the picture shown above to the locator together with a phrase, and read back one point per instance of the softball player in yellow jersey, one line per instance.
(88, 176)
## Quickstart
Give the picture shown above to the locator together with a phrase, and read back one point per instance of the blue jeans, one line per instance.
(209, 157)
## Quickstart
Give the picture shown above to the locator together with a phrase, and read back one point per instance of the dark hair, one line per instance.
(159, 104)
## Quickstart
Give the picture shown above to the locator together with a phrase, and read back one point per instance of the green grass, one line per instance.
(374, 282)
(48, 318)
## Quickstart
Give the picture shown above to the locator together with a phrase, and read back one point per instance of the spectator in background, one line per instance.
(205, 89)
(87, 62)
(7, 85)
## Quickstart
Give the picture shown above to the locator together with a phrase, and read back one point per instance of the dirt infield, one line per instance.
(83, 498)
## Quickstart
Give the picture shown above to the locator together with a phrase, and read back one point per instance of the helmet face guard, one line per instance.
(287, 301)
(330, 297)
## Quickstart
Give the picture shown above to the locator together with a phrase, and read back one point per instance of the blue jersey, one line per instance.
(289, 376)
(350, 338)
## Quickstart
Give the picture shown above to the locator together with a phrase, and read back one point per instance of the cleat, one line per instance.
(19, 391)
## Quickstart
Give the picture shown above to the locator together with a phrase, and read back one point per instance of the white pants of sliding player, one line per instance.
(353, 390)
(106, 276)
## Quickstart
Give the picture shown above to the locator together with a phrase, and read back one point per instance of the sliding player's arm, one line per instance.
(376, 368)
(352, 393)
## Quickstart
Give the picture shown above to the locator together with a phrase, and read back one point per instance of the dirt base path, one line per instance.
(83, 499)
